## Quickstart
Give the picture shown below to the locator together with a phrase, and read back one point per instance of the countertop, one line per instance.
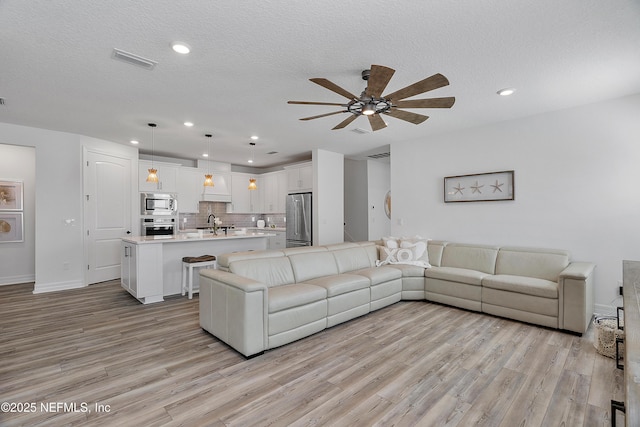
(265, 229)
(182, 237)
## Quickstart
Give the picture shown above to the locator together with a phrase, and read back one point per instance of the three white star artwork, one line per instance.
(477, 188)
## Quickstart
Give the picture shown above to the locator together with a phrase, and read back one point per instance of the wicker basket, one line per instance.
(606, 332)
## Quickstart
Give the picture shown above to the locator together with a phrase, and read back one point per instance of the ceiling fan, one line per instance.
(372, 103)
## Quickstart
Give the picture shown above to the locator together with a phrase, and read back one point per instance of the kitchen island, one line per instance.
(151, 266)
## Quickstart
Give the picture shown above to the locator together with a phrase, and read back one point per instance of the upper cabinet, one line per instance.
(300, 177)
(190, 184)
(275, 191)
(244, 200)
(167, 176)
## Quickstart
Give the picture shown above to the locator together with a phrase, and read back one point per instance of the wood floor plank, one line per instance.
(413, 363)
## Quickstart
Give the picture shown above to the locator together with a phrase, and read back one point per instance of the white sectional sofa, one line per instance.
(259, 300)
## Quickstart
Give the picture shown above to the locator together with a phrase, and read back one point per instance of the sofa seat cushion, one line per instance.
(377, 275)
(407, 270)
(453, 274)
(288, 296)
(522, 285)
(339, 284)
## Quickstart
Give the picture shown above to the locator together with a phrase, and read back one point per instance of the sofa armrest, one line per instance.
(578, 270)
(235, 310)
(576, 287)
(242, 283)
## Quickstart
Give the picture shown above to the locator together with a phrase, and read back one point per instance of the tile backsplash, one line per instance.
(219, 209)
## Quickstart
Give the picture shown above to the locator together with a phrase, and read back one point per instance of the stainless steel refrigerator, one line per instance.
(299, 220)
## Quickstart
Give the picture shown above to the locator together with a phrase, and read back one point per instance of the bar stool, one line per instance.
(189, 263)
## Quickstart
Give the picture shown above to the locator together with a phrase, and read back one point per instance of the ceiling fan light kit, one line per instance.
(373, 104)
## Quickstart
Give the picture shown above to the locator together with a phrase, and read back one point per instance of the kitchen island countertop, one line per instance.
(183, 237)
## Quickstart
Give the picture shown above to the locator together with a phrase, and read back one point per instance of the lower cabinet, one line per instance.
(145, 284)
(279, 241)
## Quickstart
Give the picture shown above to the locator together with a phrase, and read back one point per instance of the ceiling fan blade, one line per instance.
(376, 122)
(407, 116)
(345, 122)
(333, 87)
(426, 103)
(378, 80)
(430, 83)
(324, 115)
(316, 103)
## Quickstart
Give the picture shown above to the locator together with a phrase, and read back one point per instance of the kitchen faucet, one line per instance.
(209, 218)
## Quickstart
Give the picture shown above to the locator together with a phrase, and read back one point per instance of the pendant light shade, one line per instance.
(153, 173)
(252, 184)
(208, 177)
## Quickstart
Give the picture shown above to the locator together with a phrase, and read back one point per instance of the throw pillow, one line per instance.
(386, 255)
(414, 253)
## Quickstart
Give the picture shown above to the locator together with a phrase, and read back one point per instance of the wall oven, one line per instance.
(158, 204)
(158, 226)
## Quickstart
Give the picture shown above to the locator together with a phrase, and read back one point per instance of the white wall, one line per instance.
(58, 196)
(379, 182)
(328, 197)
(17, 260)
(577, 186)
(356, 227)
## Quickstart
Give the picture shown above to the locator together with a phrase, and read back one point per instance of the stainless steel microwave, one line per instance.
(158, 204)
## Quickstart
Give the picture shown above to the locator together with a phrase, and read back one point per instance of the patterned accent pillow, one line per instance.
(412, 251)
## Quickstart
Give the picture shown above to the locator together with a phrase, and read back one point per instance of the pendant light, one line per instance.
(208, 181)
(252, 181)
(153, 173)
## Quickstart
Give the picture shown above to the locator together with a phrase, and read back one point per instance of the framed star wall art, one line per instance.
(479, 187)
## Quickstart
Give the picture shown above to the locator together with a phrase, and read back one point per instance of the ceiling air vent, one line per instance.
(130, 58)
(360, 130)
(380, 155)
(272, 152)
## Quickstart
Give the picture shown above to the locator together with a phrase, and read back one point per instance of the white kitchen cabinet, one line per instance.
(300, 177)
(283, 190)
(279, 241)
(275, 190)
(190, 188)
(222, 187)
(140, 274)
(167, 176)
(244, 200)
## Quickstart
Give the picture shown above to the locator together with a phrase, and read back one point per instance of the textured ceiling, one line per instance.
(250, 57)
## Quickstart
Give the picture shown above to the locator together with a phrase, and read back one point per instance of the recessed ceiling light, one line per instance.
(205, 155)
(254, 137)
(180, 47)
(506, 91)
(134, 142)
(188, 124)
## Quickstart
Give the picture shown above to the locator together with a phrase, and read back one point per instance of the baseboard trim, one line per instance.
(40, 288)
(16, 280)
(604, 310)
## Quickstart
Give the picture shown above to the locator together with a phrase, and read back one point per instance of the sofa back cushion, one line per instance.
(310, 265)
(472, 257)
(225, 259)
(532, 262)
(435, 249)
(270, 271)
(352, 259)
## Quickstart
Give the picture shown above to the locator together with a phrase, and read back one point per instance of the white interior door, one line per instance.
(107, 213)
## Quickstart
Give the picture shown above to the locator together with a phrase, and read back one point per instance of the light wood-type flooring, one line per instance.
(411, 364)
